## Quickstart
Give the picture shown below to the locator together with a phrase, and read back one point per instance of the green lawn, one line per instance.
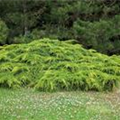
(26, 104)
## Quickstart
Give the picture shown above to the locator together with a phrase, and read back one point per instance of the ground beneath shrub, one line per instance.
(27, 104)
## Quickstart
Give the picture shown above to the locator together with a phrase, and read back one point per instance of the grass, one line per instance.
(27, 104)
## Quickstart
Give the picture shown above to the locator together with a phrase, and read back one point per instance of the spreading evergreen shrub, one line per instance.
(51, 65)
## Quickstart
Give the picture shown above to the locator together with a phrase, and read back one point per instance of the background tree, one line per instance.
(18, 16)
(93, 23)
(3, 32)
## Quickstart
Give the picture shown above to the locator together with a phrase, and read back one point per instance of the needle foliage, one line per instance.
(50, 65)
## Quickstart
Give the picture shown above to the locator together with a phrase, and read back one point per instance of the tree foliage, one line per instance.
(99, 35)
(3, 32)
(33, 19)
